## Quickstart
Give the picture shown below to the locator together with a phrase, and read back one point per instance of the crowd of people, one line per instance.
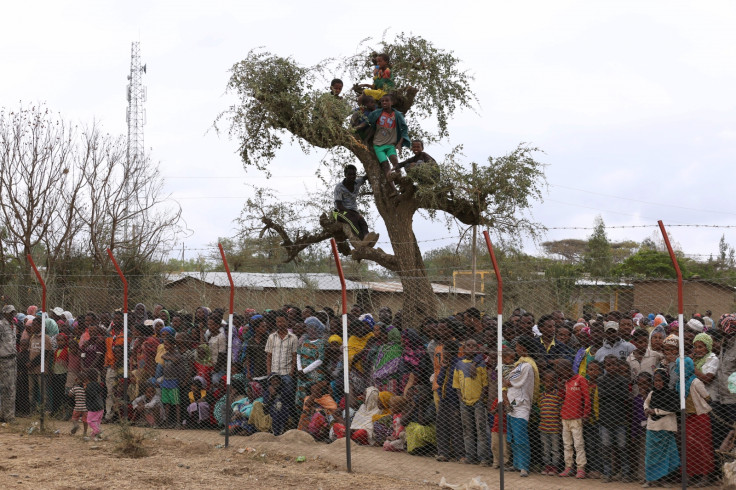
(598, 397)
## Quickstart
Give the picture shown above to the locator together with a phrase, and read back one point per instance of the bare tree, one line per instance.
(67, 192)
(39, 186)
(124, 196)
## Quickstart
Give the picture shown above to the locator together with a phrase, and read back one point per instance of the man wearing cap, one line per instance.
(7, 364)
(614, 344)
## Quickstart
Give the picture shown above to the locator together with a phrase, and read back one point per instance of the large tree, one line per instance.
(279, 98)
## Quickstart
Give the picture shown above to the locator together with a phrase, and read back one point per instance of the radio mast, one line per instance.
(136, 118)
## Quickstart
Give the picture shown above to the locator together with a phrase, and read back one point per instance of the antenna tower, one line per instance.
(136, 118)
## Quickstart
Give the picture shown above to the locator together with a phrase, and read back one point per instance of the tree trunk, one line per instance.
(397, 213)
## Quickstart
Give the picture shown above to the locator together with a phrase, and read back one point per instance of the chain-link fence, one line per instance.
(590, 368)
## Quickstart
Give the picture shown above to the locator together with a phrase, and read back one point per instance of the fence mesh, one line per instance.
(590, 370)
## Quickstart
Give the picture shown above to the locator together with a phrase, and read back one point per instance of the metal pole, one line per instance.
(499, 357)
(125, 333)
(681, 332)
(345, 356)
(43, 339)
(229, 346)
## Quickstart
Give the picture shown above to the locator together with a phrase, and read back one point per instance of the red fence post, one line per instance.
(229, 344)
(43, 339)
(125, 333)
(345, 356)
(681, 332)
(499, 346)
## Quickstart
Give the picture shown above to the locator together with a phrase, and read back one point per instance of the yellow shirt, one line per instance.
(471, 388)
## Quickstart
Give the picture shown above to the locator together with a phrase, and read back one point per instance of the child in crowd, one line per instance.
(276, 404)
(550, 424)
(591, 432)
(94, 392)
(79, 398)
(198, 410)
(148, 407)
(470, 378)
(662, 457)
(170, 381)
(575, 410)
(396, 441)
(615, 410)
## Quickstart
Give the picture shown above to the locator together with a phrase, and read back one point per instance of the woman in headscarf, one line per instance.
(421, 435)
(706, 363)
(319, 410)
(417, 365)
(139, 314)
(310, 358)
(245, 396)
(200, 318)
(362, 422)
(671, 349)
(387, 360)
(52, 328)
(698, 434)
(660, 406)
(656, 339)
(164, 315)
(382, 421)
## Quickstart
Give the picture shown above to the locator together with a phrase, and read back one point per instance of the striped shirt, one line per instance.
(80, 398)
(550, 405)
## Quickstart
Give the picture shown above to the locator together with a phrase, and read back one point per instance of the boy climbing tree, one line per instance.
(391, 135)
(346, 204)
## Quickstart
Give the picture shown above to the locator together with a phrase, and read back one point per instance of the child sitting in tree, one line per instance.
(391, 134)
(383, 81)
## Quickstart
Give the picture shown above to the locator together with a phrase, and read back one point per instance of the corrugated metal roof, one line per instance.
(288, 280)
(396, 287)
(260, 280)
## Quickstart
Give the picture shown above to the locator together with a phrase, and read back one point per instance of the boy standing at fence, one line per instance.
(550, 424)
(575, 410)
(615, 410)
(471, 380)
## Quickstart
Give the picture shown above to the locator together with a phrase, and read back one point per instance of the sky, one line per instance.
(632, 103)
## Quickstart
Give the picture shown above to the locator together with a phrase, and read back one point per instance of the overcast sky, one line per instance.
(633, 103)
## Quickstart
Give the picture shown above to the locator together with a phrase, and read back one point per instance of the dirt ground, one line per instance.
(197, 459)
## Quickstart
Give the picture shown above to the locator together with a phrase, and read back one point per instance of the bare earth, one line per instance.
(196, 459)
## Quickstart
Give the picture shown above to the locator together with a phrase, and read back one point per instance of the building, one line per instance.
(660, 296)
(188, 290)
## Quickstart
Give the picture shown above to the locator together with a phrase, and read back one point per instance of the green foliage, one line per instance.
(647, 263)
(443, 87)
(495, 195)
(278, 97)
(598, 259)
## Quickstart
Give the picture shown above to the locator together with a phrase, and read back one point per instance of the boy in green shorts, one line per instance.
(391, 134)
